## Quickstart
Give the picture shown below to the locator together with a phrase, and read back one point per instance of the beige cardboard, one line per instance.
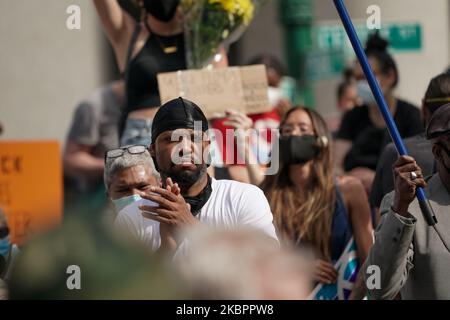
(215, 90)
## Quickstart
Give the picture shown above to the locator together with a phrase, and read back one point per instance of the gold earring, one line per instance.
(323, 141)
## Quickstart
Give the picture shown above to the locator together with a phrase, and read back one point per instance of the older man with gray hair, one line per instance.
(128, 171)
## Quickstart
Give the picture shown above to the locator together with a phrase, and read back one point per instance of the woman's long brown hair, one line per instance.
(305, 216)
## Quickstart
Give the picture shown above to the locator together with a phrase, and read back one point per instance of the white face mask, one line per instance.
(125, 201)
(364, 92)
(5, 247)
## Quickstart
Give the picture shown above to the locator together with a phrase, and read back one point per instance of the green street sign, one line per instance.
(331, 49)
(405, 37)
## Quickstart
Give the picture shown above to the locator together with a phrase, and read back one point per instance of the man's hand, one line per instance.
(238, 120)
(324, 272)
(167, 231)
(408, 176)
(173, 209)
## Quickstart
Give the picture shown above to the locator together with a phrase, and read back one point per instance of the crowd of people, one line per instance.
(234, 231)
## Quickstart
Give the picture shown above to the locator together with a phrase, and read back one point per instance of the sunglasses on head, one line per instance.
(116, 153)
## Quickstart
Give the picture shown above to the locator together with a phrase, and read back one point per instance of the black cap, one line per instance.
(177, 114)
(439, 123)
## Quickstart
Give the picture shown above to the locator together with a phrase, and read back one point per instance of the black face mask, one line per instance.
(197, 202)
(163, 10)
(298, 149)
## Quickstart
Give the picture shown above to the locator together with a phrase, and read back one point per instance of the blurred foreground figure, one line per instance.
(242, 264)
(85, 260)
(412, 257)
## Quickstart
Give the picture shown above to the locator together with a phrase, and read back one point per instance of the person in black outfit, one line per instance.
(142, 51)
(437, 95)
(362, 134)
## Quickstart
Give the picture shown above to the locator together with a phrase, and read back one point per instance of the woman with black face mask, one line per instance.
(143, 50)
(310, 204)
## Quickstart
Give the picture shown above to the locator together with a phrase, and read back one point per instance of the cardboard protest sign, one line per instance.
(215, 90)
(31, 186)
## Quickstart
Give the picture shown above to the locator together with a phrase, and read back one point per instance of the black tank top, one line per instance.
(142, 85)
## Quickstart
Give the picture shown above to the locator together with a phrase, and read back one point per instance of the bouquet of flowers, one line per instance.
(211, 24)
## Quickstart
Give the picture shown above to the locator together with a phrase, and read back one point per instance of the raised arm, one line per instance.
(393, 250)
(242, 124)
(118, 25)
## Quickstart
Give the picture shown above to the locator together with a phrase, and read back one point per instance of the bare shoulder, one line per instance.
(350, 186)
(355, 197)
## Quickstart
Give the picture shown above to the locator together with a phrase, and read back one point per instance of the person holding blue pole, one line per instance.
(436, 95)
(414, 259)
(411, 253)
(426, 209)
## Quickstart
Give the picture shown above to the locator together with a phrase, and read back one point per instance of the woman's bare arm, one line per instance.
(118, 25)
(359, 214)
(361, 221)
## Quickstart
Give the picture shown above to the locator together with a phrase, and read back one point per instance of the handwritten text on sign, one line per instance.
(30, 186)
(215, 90)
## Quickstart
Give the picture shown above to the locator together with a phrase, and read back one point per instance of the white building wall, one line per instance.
(45, 69)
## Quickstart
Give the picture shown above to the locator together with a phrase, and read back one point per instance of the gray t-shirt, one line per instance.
(418, 147)
(95, 123)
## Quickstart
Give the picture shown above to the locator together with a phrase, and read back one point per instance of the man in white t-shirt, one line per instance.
(189, 195)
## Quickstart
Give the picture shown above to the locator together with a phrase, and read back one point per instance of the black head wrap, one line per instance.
(181, 114)
(177, 114)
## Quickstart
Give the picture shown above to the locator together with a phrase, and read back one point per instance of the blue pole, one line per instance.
(427, 211)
